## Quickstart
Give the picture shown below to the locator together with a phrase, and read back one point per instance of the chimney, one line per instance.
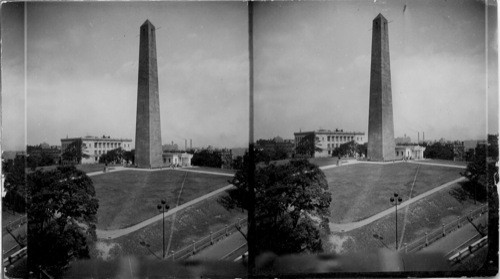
(185, 144)
(418, 141)
(190, 143)
(423, 136)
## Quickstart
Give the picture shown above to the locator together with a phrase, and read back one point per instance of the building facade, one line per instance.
(94, 147)
(409, 152)
(327, 140)
(172, 159)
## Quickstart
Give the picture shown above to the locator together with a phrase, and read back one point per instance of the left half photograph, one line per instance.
(123, 125)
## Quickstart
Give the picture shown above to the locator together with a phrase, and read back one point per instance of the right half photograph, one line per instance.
(376, 137)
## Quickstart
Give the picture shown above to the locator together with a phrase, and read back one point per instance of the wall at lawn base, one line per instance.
(442, 232)
(206, 241)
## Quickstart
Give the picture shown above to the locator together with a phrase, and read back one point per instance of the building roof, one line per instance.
(323, 131)
(87, 138)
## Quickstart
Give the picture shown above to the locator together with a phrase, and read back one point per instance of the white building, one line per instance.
(410, 152)
(328, 140)
(94, 147)
(177, 159)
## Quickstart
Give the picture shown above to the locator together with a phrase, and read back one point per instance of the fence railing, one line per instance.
(15, 257)
(445, 229)
(16, 223)
(206, 241)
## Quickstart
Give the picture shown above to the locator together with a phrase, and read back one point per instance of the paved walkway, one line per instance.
(458, 239)
(354, 225)
(119, 168)
(111, 234)
(221, 248)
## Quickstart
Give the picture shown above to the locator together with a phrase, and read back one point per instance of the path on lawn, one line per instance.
(115, 169)
(354, 225)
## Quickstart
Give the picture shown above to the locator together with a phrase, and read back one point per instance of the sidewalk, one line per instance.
(456, 239)
(221, 248)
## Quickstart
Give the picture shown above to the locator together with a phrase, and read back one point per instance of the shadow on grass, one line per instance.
(469, 190)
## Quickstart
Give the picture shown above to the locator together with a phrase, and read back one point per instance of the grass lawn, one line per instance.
(425, 215)
(362, 190)
(129, 197)
(192, 223)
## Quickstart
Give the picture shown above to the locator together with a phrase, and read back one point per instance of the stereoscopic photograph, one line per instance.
(234, 139)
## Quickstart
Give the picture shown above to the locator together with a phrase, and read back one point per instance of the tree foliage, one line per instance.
(74, 152)
(15, 184)
(439, 150)
(308, 145)
(114, 156)
(482, 173)
(207, 158)
(292, 202)
(62, 212)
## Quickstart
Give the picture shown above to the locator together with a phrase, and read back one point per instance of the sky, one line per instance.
(311, 63)
(312, 67)
(82, 71)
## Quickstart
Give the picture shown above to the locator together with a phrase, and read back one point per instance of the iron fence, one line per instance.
(444, 230)
(206, 241)
(16, 223)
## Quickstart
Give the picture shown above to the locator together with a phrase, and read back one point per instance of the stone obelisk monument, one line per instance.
(381, 146)
(148, 151)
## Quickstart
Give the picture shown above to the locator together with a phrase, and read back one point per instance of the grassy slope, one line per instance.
(425, 215)
(362, 190)
(129, 197)
(191, 224)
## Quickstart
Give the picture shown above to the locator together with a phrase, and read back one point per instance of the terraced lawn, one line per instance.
(129, 197)
(362, 190)
(192, 223)
(423, 216)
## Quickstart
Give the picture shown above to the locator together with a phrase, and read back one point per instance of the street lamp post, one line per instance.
(163, 207)
(395, 200)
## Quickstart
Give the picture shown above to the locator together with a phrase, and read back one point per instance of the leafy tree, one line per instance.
(15, 184)
(482, 173)
(237, 163)
(129, 156)
(439, 150)
(308, 145)
(207, 158)
(75, 152)
(61, 218)
(112, 156)
(292, 202)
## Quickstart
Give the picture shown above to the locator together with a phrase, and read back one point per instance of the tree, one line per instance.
(292, 201)
(62, 212)
(15, 184)
(439, 150)
(75, 152)
(207, 158)
(112, 156)
(482, 173)
(308, 145)
(129, 156)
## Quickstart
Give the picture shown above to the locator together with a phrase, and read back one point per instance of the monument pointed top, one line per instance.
(380, 16)
(148, 23)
